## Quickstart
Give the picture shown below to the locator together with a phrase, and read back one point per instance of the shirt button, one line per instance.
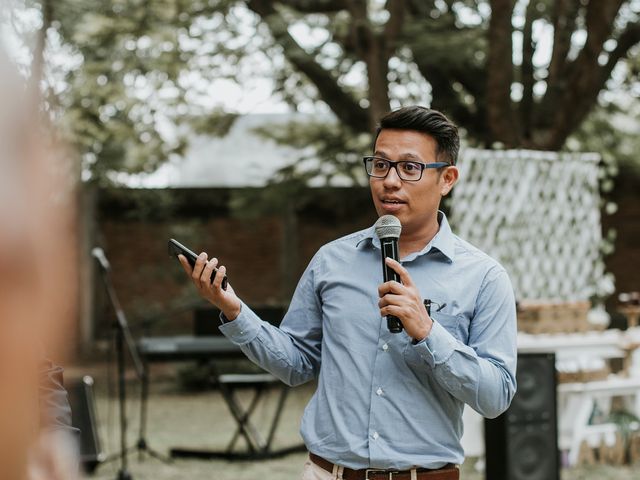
(375, 435)
(385, 347)
(379, 391)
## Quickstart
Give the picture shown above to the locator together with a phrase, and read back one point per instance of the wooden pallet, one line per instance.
(553, 317)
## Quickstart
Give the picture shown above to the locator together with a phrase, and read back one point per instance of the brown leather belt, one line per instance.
(448, 472)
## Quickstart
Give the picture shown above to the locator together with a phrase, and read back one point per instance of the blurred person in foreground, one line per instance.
(389, 402)
(37, 441)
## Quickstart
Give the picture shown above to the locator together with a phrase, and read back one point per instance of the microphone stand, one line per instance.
(123, 337)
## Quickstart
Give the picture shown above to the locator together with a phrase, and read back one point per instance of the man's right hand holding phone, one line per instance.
(226, 300)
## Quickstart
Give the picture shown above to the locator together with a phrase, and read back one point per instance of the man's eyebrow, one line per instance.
(404, 156)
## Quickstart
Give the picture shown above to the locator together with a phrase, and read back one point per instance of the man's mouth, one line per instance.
(392, 205)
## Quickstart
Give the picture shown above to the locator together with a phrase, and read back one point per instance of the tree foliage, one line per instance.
(518, 73)
(125, 81)
(465, 53)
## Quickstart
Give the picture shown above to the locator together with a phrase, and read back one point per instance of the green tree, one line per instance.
(465, 53)
(520, 73)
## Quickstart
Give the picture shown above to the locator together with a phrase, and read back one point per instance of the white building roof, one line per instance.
(241, 158)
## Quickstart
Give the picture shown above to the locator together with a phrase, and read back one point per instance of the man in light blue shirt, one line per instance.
(390, 401)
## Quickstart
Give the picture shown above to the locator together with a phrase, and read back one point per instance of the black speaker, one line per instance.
(83, 417)
(522, 443)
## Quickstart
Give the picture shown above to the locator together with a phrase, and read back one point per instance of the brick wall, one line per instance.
(134, 226)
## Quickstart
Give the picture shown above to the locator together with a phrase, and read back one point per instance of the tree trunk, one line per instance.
(501, 118)
(371, 47)
(377, 71)
(526, 71)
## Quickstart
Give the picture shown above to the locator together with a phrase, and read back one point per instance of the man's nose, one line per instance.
(392, 180)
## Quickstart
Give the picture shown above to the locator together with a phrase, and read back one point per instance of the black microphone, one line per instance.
(388, 230)
(99, 255)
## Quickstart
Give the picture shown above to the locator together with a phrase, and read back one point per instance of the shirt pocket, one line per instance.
(456, 325)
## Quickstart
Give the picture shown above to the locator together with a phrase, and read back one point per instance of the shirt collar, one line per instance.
(443, 241)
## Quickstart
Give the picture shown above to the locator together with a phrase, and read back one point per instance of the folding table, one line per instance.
(210, 349)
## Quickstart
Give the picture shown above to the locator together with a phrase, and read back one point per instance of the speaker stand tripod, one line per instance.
(123, 337)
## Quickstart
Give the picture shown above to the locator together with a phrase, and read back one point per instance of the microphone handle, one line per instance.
(389, 248)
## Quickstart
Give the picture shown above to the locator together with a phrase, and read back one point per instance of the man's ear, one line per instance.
(448, 179)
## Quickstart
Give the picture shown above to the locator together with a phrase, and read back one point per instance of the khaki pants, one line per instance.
(311, 471)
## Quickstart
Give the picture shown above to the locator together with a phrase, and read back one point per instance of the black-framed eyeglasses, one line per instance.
(409, 171)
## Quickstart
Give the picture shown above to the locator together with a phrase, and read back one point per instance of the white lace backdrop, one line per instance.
(538, 213)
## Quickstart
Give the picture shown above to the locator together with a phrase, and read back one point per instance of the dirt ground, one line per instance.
(202, 420)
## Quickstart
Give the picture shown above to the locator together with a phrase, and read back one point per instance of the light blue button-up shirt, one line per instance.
(382, 401)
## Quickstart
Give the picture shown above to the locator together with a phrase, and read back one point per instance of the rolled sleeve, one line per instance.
(244, 329)
(438, 347)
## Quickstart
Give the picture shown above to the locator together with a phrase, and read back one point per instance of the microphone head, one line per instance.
(388, 226)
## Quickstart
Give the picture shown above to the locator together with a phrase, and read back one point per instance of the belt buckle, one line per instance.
(374, 471)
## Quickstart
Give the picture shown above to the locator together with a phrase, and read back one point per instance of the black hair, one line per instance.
(428, 121)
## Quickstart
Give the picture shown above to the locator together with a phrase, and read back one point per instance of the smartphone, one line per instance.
(176, 248)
